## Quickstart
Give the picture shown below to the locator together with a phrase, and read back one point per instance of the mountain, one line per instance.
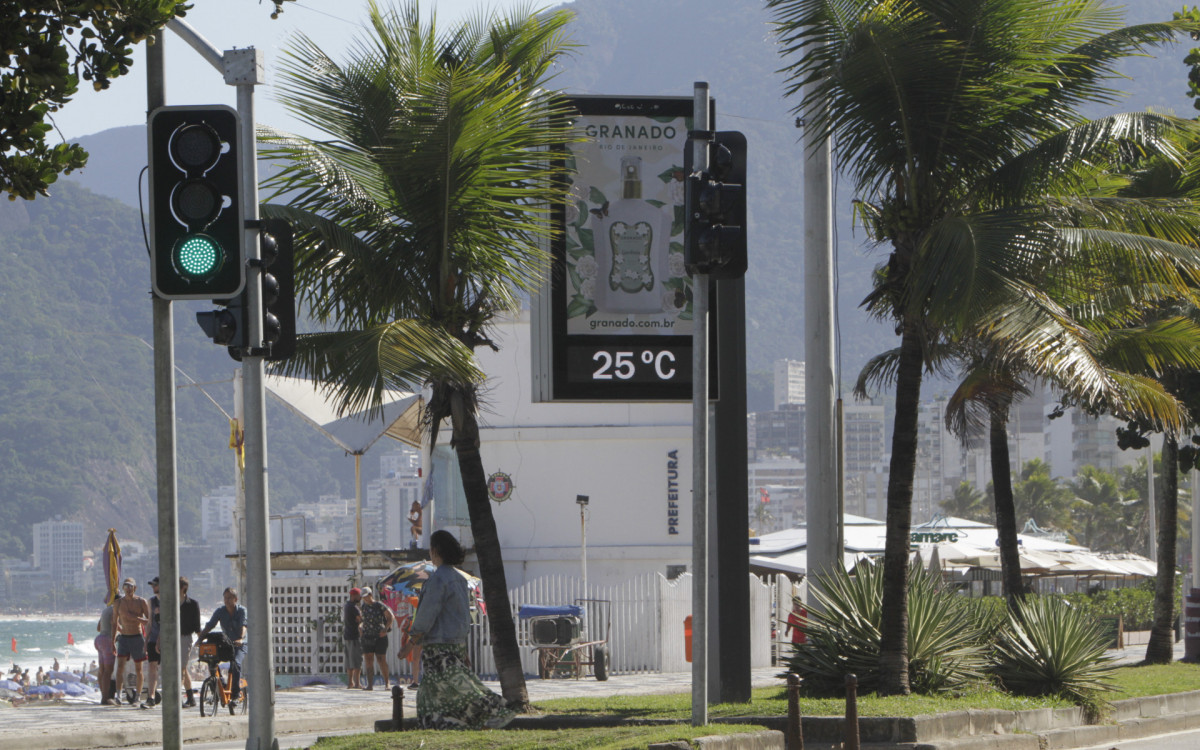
(77, 434)
(76, 401)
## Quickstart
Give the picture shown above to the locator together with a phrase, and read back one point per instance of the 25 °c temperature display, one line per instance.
(601, 364)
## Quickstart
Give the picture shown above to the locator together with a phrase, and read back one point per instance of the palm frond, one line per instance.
(358, 366)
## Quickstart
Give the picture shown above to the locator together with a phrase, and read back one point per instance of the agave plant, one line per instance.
(944, 645)
(1052, 648)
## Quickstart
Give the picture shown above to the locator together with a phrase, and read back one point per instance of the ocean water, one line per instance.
(40, 641)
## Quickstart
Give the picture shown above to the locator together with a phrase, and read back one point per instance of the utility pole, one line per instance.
(821, 448)
(167, 485)
(243, 69)
(700, 443)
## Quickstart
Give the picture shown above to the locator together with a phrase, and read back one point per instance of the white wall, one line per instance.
(621, 455)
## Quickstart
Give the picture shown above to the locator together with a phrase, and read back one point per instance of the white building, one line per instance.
(789, 382)
(58, 550)
(217, 510)
(633, 461)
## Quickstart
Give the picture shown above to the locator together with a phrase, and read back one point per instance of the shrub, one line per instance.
(1052, 648)
(944, 645)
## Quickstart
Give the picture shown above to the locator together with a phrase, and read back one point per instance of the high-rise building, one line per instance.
(789, 382)
(864, 446)
(58, 549)
(217, 514)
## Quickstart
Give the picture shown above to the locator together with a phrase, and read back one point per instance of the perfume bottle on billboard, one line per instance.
(631, 248)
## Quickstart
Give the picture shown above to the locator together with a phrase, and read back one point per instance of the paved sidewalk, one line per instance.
(82, 725)
(79, 725)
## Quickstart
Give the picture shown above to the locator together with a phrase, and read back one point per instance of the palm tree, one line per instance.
(968, 502)
(1102, 514)
(419, 219)
(941, 110)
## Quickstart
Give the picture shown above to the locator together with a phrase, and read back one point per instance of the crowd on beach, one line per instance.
(18, 686)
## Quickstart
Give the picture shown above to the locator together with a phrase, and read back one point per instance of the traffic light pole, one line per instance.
(243, 68)
(700, 445)
(167, 485)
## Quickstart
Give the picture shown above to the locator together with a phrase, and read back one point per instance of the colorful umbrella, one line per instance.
(112, 566)
(406, 581)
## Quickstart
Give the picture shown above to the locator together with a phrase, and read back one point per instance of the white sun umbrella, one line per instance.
(399, 418)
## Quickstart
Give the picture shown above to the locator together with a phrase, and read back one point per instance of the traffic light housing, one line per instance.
(715, 207)
(279, 288)
(196, 217)
(230, 326)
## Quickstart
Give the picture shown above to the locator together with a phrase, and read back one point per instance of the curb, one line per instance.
(768, 740)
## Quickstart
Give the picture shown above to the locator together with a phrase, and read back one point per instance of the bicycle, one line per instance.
(216, 690)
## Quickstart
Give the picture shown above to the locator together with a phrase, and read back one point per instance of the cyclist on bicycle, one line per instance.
(232, 619)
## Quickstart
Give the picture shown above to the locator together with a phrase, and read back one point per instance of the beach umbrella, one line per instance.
(406, 581)
(73, 689)
(9, 685)
(41, 690)
(63, 675)
(112, 566)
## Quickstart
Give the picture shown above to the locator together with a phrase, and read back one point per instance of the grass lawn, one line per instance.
(1129, 682)
(1155, 679)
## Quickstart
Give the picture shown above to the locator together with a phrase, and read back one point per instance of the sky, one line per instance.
(229, 24)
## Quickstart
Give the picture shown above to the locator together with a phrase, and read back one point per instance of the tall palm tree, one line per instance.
(421, 217)
(968, 501)
(941, 107)
(1102, 513)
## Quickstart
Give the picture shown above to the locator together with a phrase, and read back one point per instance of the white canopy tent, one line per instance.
(399, 418)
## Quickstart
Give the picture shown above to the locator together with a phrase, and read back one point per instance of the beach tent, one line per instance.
(399, 418)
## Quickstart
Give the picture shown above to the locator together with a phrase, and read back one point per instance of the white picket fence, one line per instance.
(643, 620)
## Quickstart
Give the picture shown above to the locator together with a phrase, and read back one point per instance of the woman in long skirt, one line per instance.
(450, 696)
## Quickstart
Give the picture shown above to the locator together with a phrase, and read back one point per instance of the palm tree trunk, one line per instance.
(1006, 514)
(1160, 649)
(487, 549)
(893, 642)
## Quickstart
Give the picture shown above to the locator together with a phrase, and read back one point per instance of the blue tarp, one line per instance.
(544, 610)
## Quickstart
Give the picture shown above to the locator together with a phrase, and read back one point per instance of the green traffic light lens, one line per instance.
(198, 256)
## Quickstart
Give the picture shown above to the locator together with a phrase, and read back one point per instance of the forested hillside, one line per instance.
(76, 396)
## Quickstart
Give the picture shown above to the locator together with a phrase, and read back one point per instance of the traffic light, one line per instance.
(279, 288)
(715, 206)
(196, 222)
(230, 326)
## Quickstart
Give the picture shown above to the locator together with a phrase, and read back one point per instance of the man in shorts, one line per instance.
(351, 620)
(130, 615)
(377, 621)
(107, 656)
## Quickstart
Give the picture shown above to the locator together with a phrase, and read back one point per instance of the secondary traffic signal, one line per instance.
(715, 206)
(231, 326)
(278, 288)
(196, 203)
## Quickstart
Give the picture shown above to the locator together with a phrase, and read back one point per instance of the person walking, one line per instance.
(377, 621)
(189, 626)
(105, 655)
(451, 696)
(233, 622)
(130, 615)
(153, 655)
(351, 630)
